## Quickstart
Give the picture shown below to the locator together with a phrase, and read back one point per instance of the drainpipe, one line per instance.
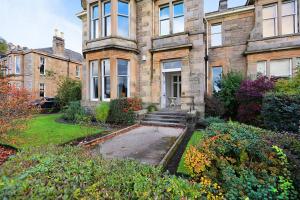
(206, 57)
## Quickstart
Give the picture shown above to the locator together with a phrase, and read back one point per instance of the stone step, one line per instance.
(156, 123)
(171, 120)
(174, 113)
(165, 116)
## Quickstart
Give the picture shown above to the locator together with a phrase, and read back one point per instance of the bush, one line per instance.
(238, 159)
(281, 112)
(289, 86)
(249, 97)
(152, 108)
(68, 90)
(74, 112)
(230, 84)
(122, 110)
(102, 111)
(213, 107)
(74, 173)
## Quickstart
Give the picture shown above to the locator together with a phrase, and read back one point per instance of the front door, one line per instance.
(176, 88)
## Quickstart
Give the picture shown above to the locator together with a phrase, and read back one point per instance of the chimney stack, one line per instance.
(58, 46)
(223, 5)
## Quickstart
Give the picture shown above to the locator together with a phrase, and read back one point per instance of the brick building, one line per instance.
(165, 50)
(39, 70)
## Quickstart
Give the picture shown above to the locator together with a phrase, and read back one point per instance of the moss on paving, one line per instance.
(44, 129)
(195, 139)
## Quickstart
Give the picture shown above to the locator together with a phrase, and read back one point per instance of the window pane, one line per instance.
(172, 64)
(123, 25)
(216, 29)
(216, 78)
(175, 90)
(122, 67)
(280, 67)
(164, 27)
(269, 12)
(107, 26)
(95, 28)
(178, 9)
(269, 28)
(178, 25)
(95, 87)
(95, 12)
(288, 8)
(123, 8)
(107, 87)
(94, 68)
(288, 24)
(216, 40)
(107, 8)
(18, 68)
(122, 86)
(106, 66)
(164, 12)
(261, 68)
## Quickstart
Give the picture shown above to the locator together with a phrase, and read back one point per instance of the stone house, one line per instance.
(169, 51)
(39, 70)
(261, 37)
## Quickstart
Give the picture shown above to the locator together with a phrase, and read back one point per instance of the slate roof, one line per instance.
(69, 54)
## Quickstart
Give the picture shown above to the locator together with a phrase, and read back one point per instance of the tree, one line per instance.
(3, 46)
(15, 107)
(68, 90)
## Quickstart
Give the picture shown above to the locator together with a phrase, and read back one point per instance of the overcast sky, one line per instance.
(31, 23)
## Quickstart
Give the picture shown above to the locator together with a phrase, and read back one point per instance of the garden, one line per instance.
(247, 147)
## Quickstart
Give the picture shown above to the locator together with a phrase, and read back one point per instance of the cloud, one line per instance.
(31, 23)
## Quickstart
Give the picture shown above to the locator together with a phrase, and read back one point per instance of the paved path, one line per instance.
(147, 144)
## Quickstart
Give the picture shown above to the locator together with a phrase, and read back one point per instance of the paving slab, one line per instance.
(147, 144)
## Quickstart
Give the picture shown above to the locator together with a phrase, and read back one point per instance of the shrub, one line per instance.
(73, 173)
(74, 112)
(281, 112)
(249, 97)
(102, 111)
(152, 108)
(213, 107)
(289, 86)
(210, 120)
(122, 110)
(68, 90)
(238, 159)
(230, 84)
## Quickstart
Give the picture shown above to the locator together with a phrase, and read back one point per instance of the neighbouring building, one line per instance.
(170, 51)
(40, 70)
(261, 37)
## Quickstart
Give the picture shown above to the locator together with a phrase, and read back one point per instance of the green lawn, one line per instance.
(43, 129)
(196, 137)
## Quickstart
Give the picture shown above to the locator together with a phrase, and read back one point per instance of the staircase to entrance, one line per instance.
(165, 118)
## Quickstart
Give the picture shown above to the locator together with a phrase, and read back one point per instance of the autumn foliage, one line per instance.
(14, 106)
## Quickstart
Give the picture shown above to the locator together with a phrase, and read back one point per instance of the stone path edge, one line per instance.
(109, 136)
(172, 150)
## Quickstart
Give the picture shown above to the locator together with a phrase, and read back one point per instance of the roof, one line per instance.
(69, 54)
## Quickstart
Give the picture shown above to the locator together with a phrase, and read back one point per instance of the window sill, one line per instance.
(275, 37)
(109, 37)
(170, 35)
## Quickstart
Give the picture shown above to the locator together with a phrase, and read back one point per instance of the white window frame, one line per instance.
(41, 57)
(103, 75)
(104, 25)
(92, 80)
(290, 70)
(77, 73)
(19, 63)
(295, 15)
(43, 88)
(275, 18)
(128, 78)
(169, 18)
(122, 15)
(218, 33)
(178, 16)
(265, 67)
(94, 34)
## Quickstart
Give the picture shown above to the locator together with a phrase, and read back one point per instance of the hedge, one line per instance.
(281, 112)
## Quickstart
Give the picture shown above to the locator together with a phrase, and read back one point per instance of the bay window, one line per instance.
(288, 17)
(270, 21)
(281, 68)
(94, 21)
(94, 80)
(106, 19)
(164, 20)
(105, 68)
(17, 65)
(216, 35)
(123, 18)
(178, 18)
(123, 78)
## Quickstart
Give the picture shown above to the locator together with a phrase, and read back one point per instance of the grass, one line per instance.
(43, 129)
(195, 139)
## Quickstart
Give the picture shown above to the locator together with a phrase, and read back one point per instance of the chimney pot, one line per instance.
(223, 5)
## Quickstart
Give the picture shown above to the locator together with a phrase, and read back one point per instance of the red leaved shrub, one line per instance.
(249, 97)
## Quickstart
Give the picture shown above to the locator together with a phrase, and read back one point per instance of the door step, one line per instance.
(165, 118)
